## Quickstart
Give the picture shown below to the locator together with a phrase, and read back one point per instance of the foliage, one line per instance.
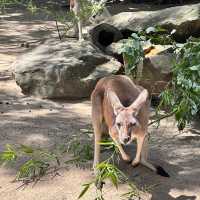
(81, 150)
(90, 8)
(107, 170)
(29, 4)
(133, 192)
(181, 97)
(186, 73)
(132, 53)
(67, 18)
(9, 155)
(157, 35)
(5, 3)
(132, 49)
(38, 162)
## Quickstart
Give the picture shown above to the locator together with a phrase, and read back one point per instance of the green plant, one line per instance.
(81, 150)
(8, 156)
(104, 170)
(67, 18)
(132, 193)
(90, 8)
(5, 3)
(157, 35)
(38, 162)
(107, 170)
(182, 95)
(133, 53)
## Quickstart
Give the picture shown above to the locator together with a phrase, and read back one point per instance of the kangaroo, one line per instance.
(123, 108)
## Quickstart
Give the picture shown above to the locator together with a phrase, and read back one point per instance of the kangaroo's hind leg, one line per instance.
(97, 119)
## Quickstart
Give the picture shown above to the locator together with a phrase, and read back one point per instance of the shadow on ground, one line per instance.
(45, 123)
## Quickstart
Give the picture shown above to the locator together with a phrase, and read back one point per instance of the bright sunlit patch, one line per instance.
(38, 139)
(32, 113)
(11, 15)
(132, 8)
(184, 194)
(189, 170)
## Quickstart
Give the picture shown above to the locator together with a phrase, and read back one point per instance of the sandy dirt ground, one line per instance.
(46, 123)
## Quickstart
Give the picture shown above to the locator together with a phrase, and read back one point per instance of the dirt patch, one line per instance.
(44, 123)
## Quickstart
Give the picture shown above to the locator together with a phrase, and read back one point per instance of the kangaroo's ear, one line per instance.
(115, 102)
(140, 101)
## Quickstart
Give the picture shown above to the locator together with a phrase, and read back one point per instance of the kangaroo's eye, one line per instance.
(118, 125)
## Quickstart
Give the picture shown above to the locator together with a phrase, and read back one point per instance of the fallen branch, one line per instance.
(162, 117)
(58, 30)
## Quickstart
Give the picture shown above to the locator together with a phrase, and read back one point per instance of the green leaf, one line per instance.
(195, 67)
(107, 143)
(114, 179)
(85, 189)
(26, 149)
(8, 155)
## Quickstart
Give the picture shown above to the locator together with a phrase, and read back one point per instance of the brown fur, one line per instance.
(117, 98)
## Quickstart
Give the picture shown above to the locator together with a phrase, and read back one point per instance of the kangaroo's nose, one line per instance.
(126, 140)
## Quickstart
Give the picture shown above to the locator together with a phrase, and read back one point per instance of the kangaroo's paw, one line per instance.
(126, 158)
(160, 171)
(135, 163)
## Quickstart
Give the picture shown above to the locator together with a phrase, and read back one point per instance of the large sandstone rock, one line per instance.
(156, 69)
(63, 69)
(185, 19)
(147, 46)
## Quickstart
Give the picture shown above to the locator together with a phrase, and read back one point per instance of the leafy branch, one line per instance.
(181, 97)
(68, 18)
(38, 162)
(133, 53)
(107, 170)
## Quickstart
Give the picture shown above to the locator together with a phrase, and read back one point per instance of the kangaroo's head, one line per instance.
(126, 121)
